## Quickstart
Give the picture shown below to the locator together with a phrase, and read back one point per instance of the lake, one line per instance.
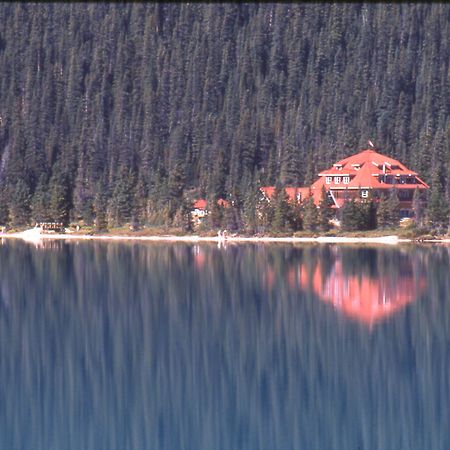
(159, 346)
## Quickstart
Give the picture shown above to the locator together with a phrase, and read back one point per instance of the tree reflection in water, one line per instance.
(156, 346)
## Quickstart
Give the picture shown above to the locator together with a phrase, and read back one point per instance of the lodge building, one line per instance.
(360, 176)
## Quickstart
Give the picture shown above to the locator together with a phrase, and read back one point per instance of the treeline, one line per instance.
(125, 112)
(283, 215)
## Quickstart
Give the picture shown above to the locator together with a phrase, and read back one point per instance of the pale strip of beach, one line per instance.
(35, 235)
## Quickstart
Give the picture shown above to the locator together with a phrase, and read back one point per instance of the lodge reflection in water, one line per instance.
(367, 284)
(367, 290)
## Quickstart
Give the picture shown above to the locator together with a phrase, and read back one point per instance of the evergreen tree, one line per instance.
(383, 220)
(122, 200)
(215, 214)
(20, 204)
(59, 202)
(100, 207)
(4, 207)
(388, 212)
(351, 219)
(325, 212)
(280, 202)
(282, 91)
(40, 202)
(310, 215)
(438, 210)
(418, 207)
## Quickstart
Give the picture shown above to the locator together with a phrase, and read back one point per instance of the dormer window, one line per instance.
(346, 180)
(356, 166)
(328, 180)
(338, 166)
(337, 180)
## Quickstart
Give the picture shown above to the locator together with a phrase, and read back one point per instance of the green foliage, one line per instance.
(418, 207)
(40, 202)
(20, 204)
(280, 204)
(216, 215)
(358, 215)
(100, 206)
(122, 200)
(438, 210)
(231, 100)
(388, 211)
(310, 215)
(60, 198)
(325, 212)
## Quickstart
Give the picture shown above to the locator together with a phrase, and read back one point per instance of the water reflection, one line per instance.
(370, 290)
(136, 346)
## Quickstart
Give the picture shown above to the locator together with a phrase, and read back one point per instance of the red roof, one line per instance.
(364, 169)
(202, 203)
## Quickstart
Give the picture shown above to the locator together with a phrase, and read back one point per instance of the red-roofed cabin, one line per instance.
(368, 171)
(201, 208)
(358, 175)
(200, 204)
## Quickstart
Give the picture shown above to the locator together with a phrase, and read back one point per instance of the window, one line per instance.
(337, 180)
(346, 180)
(328, 180)
(364, 194)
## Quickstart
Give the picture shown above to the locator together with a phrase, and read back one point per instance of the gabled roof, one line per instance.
(202, 203)
(364, 169)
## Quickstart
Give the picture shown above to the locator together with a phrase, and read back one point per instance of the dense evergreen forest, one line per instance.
(126, 112)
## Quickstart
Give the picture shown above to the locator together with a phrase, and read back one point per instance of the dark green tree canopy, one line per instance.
(164, 101)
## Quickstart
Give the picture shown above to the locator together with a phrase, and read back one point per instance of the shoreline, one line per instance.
(34, 235)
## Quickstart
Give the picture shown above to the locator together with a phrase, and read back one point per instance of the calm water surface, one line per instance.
(149, 346)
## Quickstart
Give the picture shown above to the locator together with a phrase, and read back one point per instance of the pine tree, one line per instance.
(280, 209)
(383, 220)
(100, 206)
(59, 204)
(325, 212)
(418, 207)
(393, 205)
(123, 196)
(215, 214)
(438, 210)
(20, 204)
(388, 212)
(351, 217)
(310, 215)
(40, 202)
(4, 206)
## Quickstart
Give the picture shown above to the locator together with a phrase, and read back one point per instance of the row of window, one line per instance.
(337, 180)
(391, 179)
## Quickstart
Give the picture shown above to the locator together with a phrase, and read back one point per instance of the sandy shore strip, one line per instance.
(35, 235)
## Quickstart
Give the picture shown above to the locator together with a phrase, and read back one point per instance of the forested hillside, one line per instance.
(122, 112)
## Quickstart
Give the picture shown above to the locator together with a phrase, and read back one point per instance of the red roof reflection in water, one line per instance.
(361, 297)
